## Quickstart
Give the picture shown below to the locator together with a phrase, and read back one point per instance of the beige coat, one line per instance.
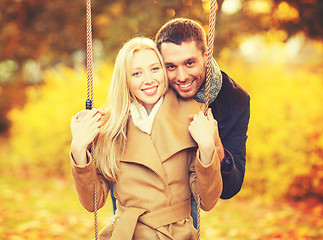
(158, 174)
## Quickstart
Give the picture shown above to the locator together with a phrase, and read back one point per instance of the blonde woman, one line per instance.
(156, 149)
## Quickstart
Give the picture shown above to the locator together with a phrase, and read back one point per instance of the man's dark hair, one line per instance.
(181, 30)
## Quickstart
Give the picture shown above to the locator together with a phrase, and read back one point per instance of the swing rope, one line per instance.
(212, 20)
(89, 57)
(89, 103)
(90, 93)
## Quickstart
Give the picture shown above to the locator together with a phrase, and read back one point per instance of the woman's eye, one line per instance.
(155, 69)
(135, 74)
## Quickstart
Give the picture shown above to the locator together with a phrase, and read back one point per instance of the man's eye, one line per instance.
(190, 63)
(155, 69)
(170, 67)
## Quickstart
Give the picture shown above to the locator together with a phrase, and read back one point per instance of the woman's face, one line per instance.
(147, 80)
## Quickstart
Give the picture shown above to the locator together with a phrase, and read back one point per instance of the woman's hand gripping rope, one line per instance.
(85, 126)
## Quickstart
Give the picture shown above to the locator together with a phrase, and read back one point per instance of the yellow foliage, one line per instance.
(285, 12)
(285, 136)
(285, 131)
(40, 133)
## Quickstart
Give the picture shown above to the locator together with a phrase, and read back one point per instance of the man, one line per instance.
(182, 43)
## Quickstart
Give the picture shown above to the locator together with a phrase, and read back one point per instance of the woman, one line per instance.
(146, 145)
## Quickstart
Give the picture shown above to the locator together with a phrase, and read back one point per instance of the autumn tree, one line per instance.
(35, 34)
(51, 31)
(296, 16)
(38, 33)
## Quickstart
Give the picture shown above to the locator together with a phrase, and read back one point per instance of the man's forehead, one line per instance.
(185, 44)
(172, 52)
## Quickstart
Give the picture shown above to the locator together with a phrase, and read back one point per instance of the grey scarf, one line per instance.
(215, 86)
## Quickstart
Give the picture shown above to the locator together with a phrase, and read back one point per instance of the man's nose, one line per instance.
(182, 74)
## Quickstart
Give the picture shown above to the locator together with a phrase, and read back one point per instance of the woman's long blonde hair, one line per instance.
(112, 139)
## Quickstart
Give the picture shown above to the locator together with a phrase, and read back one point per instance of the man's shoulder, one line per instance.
(232, 93)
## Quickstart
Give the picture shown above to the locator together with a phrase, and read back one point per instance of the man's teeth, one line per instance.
(185, 85)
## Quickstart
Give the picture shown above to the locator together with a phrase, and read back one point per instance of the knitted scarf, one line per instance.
(215, 86)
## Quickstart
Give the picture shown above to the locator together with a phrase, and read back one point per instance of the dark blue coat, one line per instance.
(231, 109)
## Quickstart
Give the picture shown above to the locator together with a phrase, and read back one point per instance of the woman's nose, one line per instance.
(148, 78)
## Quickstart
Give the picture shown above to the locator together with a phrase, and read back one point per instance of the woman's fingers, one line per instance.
(210, 114)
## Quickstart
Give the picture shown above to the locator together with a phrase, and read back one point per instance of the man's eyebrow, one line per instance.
(191, 59)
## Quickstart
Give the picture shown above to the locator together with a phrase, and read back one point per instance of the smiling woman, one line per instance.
(147, 82)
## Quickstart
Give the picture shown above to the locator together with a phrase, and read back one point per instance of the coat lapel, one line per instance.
(141, 150)
(169, 134)
(220, 112)
(170, 130)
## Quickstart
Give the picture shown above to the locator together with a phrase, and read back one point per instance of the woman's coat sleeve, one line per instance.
(206, 180)
(84, 178)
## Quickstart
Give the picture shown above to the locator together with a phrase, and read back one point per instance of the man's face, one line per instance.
(185, 65)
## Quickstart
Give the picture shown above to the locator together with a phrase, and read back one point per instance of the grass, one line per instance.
(42, 209)
(34, 207)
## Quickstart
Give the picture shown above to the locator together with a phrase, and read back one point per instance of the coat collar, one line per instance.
(219, 109)
(231, 96)
(169, 133)
(170, 130)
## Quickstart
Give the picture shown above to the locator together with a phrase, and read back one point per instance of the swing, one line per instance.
(89, 103)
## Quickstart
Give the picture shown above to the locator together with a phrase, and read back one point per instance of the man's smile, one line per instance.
(185, 86)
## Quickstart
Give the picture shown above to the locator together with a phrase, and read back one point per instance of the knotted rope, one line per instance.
(90, 97)
(89, 57)
(212, 20)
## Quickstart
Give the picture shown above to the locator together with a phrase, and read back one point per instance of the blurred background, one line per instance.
(272, 48)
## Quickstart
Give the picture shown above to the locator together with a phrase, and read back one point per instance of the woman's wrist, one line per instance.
(206, 153)
(78, 153)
